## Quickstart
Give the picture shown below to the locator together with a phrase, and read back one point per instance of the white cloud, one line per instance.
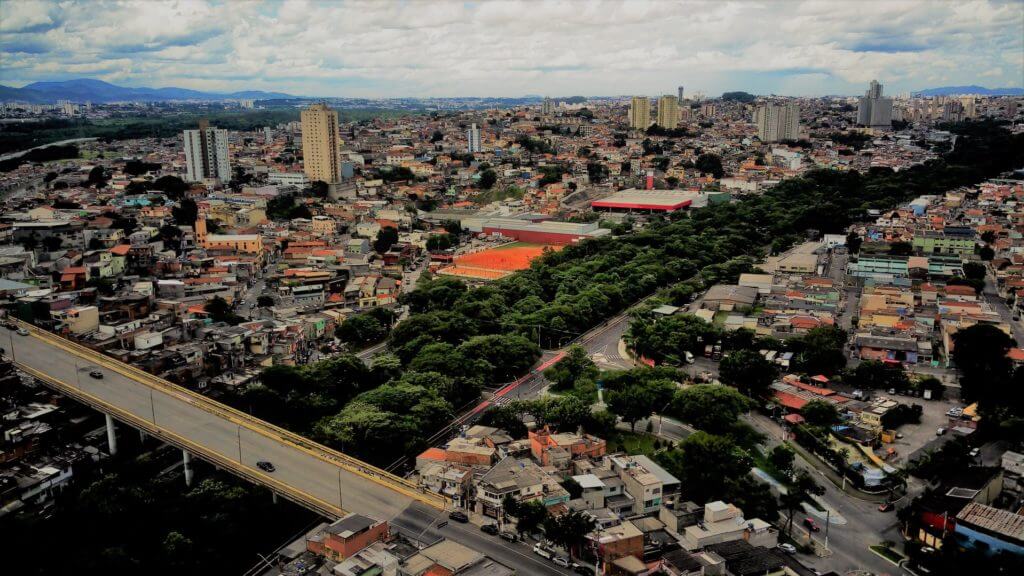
(512, 48)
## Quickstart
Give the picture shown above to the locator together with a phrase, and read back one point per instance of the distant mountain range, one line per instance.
(979, 90)
(88, 90)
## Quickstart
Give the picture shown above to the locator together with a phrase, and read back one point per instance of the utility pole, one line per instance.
(828, 516)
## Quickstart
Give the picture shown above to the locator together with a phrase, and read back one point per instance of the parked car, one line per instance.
(509, 536)
(491, 529)
(858, 394)
(22, 332)
(458, 516)
(96, 374)
(886, 507)
(892, 391)
(541, 551)
(940, 430)
(975, 452)
(265, 466)
(787, 548)
(582, 569)
(689, 357)
(561, 561)
(811, 525)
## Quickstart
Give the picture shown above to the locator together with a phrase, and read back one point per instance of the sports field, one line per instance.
(496, 263)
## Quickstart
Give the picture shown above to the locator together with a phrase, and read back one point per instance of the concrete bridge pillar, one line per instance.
(111, 435)
(187, 465)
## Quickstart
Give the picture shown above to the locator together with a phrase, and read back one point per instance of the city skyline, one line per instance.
(448, 49)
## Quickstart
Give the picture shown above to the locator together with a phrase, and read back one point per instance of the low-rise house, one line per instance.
(724, 523)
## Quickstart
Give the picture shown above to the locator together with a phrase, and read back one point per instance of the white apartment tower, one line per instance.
(874, 110)
(777, 122)
(473, 139)
(548, 107)
(206, 154)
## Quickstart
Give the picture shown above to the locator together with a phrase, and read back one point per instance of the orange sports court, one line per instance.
(496, 263)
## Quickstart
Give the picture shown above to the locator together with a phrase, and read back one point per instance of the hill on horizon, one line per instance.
(972, 89)
(90, 90)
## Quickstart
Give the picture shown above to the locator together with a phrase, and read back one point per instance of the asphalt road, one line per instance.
(295, 468)
(419, 522)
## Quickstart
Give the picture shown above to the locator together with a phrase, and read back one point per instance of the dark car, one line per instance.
(491, 529)
(811, 525)
(96, 374)
(265, 466)
(459, 516)
(582, 569)
(510, 536)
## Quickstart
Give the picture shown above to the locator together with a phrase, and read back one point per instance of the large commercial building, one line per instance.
(206, 154)
(874, 110)
(668, 112)
(473, 139)
(633, 200)
(320, 138)
(547, 232)
(777, 122)
(640, 113)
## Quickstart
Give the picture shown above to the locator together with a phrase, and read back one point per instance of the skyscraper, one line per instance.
(206, 154)
(681, 94)
(548, 106)
(473, 139)
(874, 110)
(320, 139)
(777, 122)
(668, 112)
(640, 113)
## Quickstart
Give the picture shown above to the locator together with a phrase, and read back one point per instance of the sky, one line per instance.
(420, 48)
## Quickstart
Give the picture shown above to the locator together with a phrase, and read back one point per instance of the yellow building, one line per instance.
(320, 139)
(640, 113)
(668, 112)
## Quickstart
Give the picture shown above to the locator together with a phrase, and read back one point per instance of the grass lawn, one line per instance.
(632, 442)
(887, 553)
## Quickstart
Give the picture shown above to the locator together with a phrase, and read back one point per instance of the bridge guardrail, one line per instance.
(256, 425)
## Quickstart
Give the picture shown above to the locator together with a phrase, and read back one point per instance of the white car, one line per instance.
(787, 548)
(975, 452)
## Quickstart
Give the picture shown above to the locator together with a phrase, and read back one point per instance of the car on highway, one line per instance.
(96, 374)
(491, 529)
(787, 548)
(561, 561)
(886, 507)
(811, 525)
(509, 536)
(265, 466)
(458, 516)
(22, 332)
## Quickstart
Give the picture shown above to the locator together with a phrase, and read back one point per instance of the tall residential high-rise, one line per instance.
(777, 122)
(473, 139)
(681, 94)
(320, 141)
(548, 106)
(874, 110)
(970, 108)
(640, 113)
(206, 154)
(668, 112)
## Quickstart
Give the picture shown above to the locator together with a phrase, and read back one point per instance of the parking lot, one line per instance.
(922, 436)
